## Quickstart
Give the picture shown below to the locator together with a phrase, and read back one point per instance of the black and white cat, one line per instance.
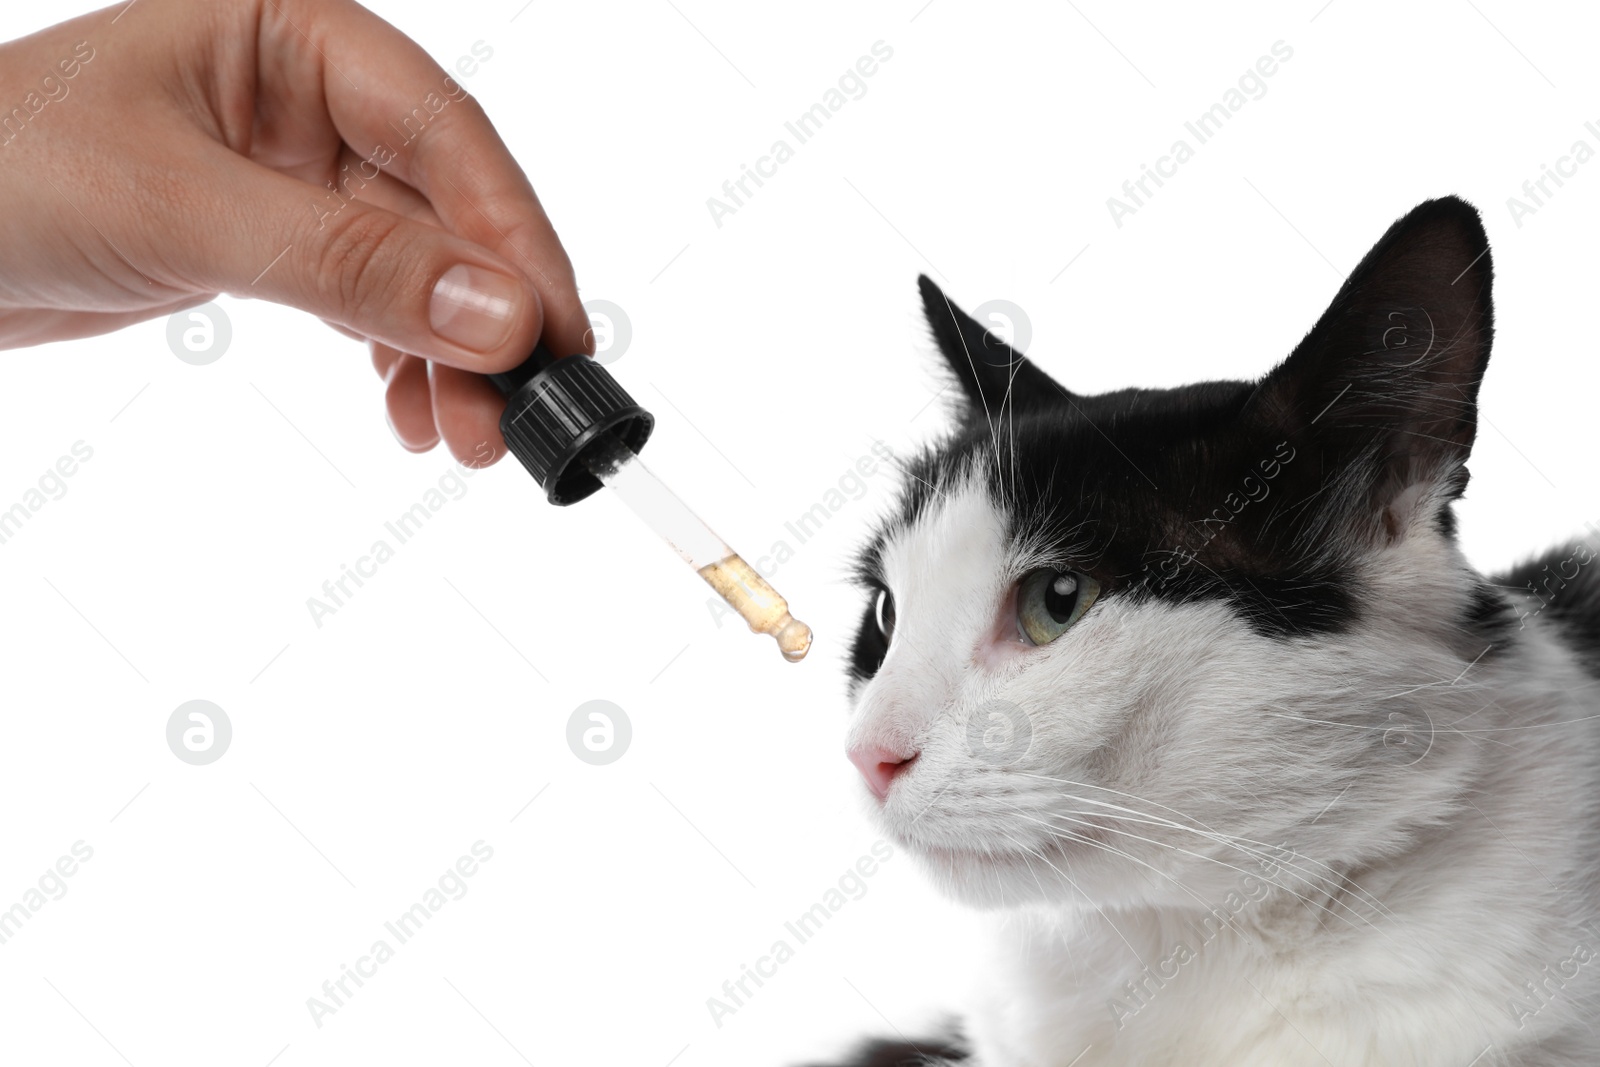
(1196, 689)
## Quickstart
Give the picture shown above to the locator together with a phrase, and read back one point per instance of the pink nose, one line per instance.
(879, 767)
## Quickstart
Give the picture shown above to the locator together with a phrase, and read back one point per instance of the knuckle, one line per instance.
(361, 258)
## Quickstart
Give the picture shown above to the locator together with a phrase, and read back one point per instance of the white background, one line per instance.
(368, 754)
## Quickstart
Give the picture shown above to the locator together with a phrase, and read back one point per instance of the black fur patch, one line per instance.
(1447, 522)
(1488, 614)
(879, 1053)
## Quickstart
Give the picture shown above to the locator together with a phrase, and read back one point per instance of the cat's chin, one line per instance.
(990, 880)
(1055, 874)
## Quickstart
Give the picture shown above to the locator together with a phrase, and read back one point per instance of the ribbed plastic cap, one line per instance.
(554, 416)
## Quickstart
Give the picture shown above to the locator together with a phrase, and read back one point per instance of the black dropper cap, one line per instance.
(556, 409)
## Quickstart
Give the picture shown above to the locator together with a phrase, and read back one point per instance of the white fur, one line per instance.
(1441, 814)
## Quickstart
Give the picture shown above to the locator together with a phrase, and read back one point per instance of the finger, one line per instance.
(383, 358)
(409, 404)
(405, 284)
(467, 410)
(389, 99)
(473, 418)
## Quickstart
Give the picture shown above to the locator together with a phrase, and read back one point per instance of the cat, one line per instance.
(1195, 689)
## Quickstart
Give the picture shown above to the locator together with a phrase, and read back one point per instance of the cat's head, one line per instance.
(1114, 643)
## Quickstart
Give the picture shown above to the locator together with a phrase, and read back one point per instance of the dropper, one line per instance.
(575, 429)
(735, 581)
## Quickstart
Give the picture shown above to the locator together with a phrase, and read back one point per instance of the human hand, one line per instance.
(161, 152)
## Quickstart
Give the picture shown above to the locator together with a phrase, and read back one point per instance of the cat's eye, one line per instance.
(883, 611)
(1050, 601)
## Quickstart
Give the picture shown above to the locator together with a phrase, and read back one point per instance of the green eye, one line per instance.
(1050, 601)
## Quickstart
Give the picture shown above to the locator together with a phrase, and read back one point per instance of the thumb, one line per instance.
(404, 283)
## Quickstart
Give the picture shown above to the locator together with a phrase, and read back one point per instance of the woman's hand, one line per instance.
(157, 153)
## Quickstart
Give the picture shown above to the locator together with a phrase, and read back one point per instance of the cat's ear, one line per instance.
(1383, 391)
(993, 375)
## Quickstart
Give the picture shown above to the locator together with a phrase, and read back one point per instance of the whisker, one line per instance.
(1231, 867)
(1232, 840)
(1072, 835)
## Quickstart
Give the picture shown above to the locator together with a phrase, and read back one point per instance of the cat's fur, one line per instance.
(1302, 786)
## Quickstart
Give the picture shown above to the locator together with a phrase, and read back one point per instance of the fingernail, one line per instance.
(474, 308)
